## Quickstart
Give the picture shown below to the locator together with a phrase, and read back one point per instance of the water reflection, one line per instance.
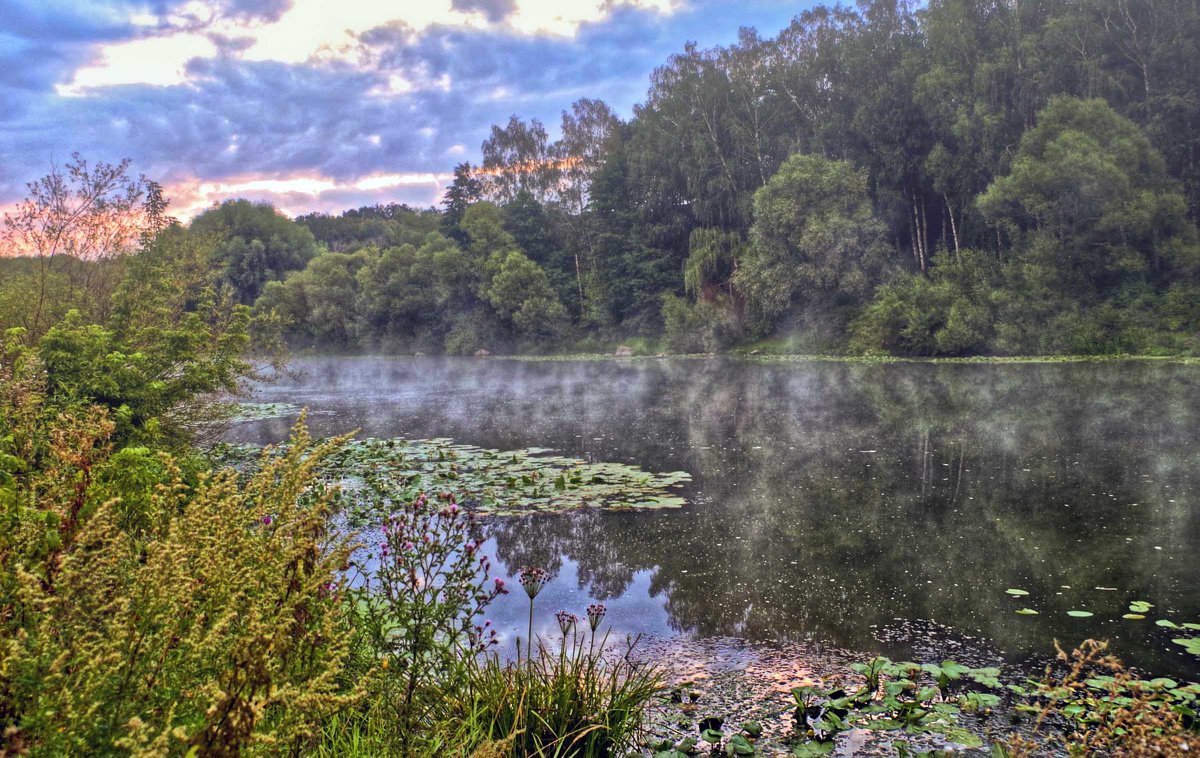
(830, 499)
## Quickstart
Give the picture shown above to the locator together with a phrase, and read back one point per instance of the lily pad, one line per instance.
(1134, 616)
(260, 411)
(1139, 606)
(1080, 614)
(494, 482)
(1027, 612)
(1017, 593)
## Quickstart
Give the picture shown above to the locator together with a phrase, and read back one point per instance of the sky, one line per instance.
(321, 105)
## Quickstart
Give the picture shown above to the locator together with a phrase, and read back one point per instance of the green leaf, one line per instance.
(1027, 612)
(712, 736)
(1080, 614)
(1016, 592)
(813, 749)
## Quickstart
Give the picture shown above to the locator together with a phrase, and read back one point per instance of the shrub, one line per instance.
(702, 327)
(214, 626)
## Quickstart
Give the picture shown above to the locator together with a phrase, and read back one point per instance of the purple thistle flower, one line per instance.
(266, 520)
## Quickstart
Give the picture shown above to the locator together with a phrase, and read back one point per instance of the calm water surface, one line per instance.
(830, 501)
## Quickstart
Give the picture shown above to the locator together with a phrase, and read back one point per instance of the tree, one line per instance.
(257, 245)
(73, 223)
(1088, 199)
(815, 241)
(467, 188)
(585, 131)
(520, 291)
(517, 157)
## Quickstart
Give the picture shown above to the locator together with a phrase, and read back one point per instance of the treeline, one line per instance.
(963, 177)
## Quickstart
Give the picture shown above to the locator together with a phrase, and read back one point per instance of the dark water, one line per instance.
(830, 500)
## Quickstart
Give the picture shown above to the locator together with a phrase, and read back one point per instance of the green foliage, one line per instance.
(583, 698)
(1093, 202)
(371, 226)
(128, 631)
(150, 380)
(520, 291)
(705, 326)
(948, 312)
(815, 239)
(256, 245)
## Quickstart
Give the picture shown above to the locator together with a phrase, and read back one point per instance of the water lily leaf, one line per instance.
(1133, 616)
(813, 749)
(1139, 606)
(499, 483)
(1167, 623)
(1016, 592)
(1027, 612)
(1080, 614)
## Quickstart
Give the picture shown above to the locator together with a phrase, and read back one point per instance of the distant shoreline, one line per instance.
(780, 357)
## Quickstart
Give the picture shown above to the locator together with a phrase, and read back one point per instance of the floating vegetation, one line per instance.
(1027, 612)
(1080, 614)
(905, 697)
(1190, 644)
(1017, 593)
(261, 411)
(500, 483)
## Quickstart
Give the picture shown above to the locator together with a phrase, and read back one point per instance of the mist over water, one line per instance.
(830, 500)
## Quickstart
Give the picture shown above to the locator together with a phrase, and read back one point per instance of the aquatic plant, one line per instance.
(579, 699)
(514, 482)
(896, 696)
(1106, 708)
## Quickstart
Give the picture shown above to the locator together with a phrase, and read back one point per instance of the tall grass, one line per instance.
(585, 698)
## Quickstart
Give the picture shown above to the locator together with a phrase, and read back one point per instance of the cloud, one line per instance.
(303, 193)
(317, 99)
(493, 10)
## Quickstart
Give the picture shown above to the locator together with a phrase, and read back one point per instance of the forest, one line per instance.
(951, 179)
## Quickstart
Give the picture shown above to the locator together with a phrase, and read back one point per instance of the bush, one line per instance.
(212, 626)
(706, 326)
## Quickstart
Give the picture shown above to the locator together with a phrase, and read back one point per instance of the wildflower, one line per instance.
(500, 585)
(266, 520)
(566, 621)
(383, 664)
(533, 579)
(469, 547)
(595, 614)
